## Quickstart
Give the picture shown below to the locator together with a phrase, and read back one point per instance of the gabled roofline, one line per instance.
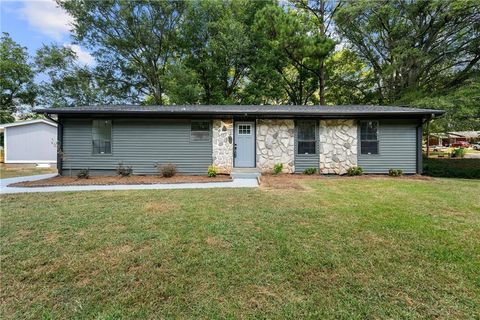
(21, 123)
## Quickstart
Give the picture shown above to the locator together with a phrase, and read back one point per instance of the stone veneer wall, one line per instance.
(275, 144)
(338, 146)
(222, 145)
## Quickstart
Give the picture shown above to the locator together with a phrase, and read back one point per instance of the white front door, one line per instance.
(244, 144)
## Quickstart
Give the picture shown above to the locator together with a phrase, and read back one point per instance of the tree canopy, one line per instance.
(421, 53)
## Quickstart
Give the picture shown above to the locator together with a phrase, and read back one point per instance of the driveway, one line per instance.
(236, 183)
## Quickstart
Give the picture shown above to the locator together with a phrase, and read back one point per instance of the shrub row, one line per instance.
(452, 168)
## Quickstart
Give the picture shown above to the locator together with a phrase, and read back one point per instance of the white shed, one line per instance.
(32, 141)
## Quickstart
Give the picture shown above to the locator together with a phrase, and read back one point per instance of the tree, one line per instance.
(133, 42)
(411, 45)
(290, 49)
(16, 79)
(462, 106)
(322, 13)
(67, 82)
(219, 48)
(351, 81)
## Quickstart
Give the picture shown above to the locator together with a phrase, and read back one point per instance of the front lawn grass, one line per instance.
(338, 248)
(12, 171)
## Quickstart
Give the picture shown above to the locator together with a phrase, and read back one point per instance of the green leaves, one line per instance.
(16, 78)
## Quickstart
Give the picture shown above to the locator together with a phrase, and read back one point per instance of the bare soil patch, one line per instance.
(112, 180)
(285, 181)
(293, 181)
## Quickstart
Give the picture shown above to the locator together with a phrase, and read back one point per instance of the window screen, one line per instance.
(200, 131)
(369, 137)
(306, 142)
(102, 136)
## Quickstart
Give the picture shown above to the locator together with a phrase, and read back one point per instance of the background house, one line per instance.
(437, 139)
(32, 141)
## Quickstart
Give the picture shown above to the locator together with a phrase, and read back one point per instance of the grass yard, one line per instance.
(12, 171)
(336, 248)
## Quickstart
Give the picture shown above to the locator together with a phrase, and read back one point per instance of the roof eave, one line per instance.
(428, 113)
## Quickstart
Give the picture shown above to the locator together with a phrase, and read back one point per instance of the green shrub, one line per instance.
(310, 171)
(355, 171)
(277, 168)
(452, 168)
(395, 172)
(212, 171)
(124, 171)
(459, 152)
(167, 170)
(83, 174)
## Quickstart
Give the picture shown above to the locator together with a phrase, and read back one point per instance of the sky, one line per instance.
(32, 23)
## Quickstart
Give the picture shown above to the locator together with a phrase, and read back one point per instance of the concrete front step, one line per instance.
(245, 173)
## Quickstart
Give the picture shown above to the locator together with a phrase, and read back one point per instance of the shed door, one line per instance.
(245, 144)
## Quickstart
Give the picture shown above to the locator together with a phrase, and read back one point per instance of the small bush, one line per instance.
(167, 170)
(310, 171)
(277, 168)
(212, 172)
(395, 172)
(124, 171)
(459, 152)
(355, 171)
(83, 174)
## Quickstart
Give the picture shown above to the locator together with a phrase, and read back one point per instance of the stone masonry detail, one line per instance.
(222, 143)
(338, 146)
(275, 144)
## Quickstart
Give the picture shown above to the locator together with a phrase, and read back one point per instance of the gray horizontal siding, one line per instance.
(140, 143)
(397, 148)
(304, 161)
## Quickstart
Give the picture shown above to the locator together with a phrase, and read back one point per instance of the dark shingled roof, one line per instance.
(247, 110)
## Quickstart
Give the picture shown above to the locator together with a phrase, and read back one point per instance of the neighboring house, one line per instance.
(454, 136)
(32, 141)
(328, 138)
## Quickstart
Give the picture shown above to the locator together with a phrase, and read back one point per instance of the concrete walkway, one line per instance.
(236, 183)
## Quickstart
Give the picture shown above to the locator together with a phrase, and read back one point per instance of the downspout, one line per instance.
(59, 142)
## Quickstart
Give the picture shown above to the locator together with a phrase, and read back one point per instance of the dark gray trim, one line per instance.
(60, 146)
(419, 148)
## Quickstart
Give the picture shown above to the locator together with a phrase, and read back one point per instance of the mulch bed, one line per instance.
(112, 180)
(292, 181)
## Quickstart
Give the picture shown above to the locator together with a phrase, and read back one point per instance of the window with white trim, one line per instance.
(102, 136)
(369, 137)
(200, 130)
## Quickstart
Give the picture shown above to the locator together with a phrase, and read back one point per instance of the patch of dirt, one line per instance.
(285, 181)
(112, 180)
(161, 207)
(293, 181)
(217, 243)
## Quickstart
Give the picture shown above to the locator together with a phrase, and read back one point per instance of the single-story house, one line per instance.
(445, 139)
(32, 141)
(328, 138)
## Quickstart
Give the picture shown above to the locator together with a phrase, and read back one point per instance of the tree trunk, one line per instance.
(321, 82)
